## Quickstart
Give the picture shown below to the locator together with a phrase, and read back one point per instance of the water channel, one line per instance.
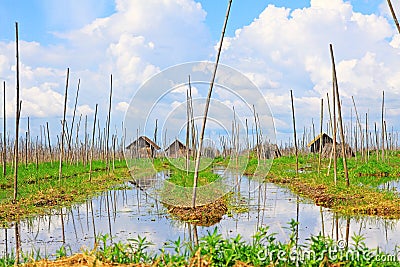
(130, 212)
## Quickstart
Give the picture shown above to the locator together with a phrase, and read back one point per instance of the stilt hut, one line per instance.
(176, 150)
(143, 147)
(320, 139)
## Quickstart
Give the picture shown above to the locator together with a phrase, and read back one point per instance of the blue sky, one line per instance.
(276, 49)
(34, 16)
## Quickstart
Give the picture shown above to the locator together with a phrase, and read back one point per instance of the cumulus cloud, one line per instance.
(281, 49)
(287, 49)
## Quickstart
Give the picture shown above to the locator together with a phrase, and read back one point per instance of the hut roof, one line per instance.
(319, 137)
(176, 143)
(147, 140)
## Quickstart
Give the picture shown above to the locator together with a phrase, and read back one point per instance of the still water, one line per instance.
(130, 212)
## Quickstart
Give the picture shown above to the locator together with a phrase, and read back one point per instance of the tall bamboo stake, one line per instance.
(16, 116)
(108, 124)
(321, 139)
(196, 170)
(346, 173)
(4, 132)
(334, 127)
(295, 135)
(63, 127)
(383, 128)
(366, 136)
(394, 15)
(73, 116)
(92, 145)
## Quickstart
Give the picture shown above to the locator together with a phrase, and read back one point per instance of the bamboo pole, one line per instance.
(394, 15)
(108, 124)
(346, 173)
(334, 124)
(359, 125)
(295, 135)
(366, 136)
(321, 139)
(4, 132)
(16, 116)
(383, 128)
(196, 170)
(92, 145)
(73, 116)
(63, 127)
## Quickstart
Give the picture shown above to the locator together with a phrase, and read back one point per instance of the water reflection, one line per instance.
(130, 212)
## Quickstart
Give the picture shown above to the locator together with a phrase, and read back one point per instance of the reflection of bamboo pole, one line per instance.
(196, 169)
(93, 223)
(336, 87)
(294, 135)
(17, 243)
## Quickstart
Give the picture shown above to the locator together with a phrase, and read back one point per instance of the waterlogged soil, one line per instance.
(128, 212)
(345, 201)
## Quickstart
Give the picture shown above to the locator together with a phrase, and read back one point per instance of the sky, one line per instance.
(278, 45)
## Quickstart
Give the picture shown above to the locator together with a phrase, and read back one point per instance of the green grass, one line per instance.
(40, 188)
(362, 197)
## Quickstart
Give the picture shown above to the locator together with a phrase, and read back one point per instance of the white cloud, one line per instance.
(287, 49)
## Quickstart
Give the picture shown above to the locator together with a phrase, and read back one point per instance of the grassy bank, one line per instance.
(213, 250)
(40, 189)
(362, 197)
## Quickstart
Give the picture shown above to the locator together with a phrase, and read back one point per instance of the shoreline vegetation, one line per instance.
(264, 249)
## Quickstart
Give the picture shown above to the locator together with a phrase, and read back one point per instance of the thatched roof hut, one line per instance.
(143, 147)
(323, 139)
(176, 150)
(327, 150)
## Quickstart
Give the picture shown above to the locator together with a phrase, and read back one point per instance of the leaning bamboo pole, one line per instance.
(203, 126)
(63, 127)
(394, 15)
(339, 106)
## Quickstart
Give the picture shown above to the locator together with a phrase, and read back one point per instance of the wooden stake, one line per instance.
(63, 127)
(346, 173)
(17, 111)
(196, 170)
(383, 128)
(321, 139)
(108, 126)
(92, 148)
(294, 134)
(4, 132)
(394, 15)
